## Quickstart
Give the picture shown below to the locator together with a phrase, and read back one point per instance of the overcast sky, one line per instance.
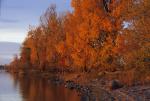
(17, 15)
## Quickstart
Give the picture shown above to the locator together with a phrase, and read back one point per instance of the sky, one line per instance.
(17, 15)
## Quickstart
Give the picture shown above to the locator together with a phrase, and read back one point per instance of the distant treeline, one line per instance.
(101, 35)
(2, 67)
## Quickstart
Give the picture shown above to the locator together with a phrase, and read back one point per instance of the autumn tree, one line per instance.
(133, 42)
(102, 34)
(95, 30)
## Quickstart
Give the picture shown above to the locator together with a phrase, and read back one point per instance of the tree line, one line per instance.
(103, 35)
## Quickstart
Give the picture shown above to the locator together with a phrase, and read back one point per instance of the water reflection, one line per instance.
(8, 92)
(14, 88)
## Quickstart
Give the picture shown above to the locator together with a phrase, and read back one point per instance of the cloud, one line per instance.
(8, 20)
(16, 7)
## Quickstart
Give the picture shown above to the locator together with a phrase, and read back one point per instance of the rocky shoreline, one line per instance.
(132, 93)
(84, 91)
(97, 90)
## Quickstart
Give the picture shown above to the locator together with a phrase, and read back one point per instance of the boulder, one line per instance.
(115, 84)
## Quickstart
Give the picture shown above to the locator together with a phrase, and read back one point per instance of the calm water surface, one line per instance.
(13, 88)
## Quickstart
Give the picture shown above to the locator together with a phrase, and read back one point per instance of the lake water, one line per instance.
(13, 88)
